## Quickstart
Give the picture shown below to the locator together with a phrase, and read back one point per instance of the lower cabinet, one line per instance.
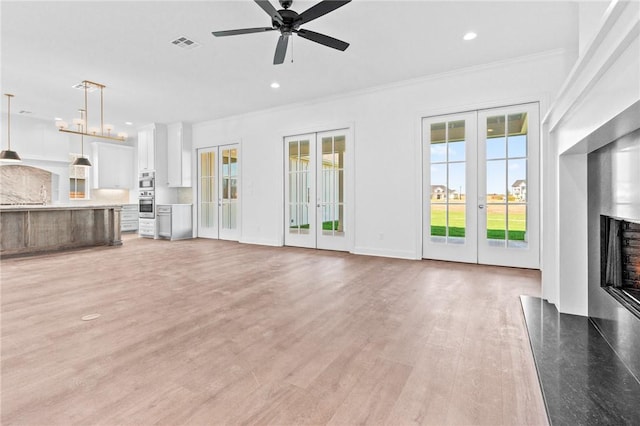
(147, 228)
(174, 221)
(129, 218)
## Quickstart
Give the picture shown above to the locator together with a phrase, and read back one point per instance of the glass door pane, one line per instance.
(207, 198)
(448, 182)
(506, 180)
(229, 177)
(332, 182)
(300, 190)
(331, 177)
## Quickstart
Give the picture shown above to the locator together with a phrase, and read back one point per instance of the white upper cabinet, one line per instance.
(179, 155)
(146, 148)
(112, 166)
(152, 151)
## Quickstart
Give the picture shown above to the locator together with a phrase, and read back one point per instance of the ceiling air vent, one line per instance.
(185, 43)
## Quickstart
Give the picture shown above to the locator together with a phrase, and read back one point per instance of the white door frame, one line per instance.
(464, 250)
(524, 257)
(217, 232)
(527, 257)
(349, 185)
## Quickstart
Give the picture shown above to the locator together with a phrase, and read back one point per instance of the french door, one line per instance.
(481, 187)
(315, 208)
(218, 198)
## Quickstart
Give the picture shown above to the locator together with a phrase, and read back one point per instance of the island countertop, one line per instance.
(70, 206)
(26, 229)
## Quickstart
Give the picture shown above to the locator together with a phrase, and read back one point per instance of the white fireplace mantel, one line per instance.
(599, 102)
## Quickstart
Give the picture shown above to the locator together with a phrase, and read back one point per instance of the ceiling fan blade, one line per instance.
(241, 31)
(320, 9)
(271, 11)
(323, 39)
(281, 49)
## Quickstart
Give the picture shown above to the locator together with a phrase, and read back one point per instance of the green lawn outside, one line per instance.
(326, 226)
(495, 221)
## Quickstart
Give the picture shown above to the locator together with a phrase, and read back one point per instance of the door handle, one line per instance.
(481, 206)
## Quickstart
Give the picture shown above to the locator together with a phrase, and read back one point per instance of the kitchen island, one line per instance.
(26, 229)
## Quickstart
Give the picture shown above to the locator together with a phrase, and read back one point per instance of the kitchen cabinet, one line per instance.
(152, 151)
(146, 148)
(112, 166)
(129, 218)
(174, 221)
(179, 154)
(147, 228)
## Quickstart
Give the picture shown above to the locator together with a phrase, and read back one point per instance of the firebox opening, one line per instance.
(620, 261)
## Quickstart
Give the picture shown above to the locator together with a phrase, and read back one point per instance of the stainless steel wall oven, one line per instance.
(146, 204)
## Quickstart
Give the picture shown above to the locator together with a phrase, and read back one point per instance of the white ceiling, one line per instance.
(49, 46)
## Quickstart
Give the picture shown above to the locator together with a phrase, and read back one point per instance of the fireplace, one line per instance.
(620, 260)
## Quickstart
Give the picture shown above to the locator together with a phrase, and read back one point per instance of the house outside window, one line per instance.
(519, 190)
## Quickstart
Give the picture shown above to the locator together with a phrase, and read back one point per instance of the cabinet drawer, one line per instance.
(129, 226)
(147, 229)
(128, 216)
(163, 209)
(129, 208)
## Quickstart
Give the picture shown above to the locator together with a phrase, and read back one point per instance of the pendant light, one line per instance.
(104, 131)
(7, 155)
(82, 160)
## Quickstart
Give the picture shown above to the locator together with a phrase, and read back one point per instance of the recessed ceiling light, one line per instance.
(470, 36)
(128, 123)
(275, 85)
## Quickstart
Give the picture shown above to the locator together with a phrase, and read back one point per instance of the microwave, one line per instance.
(146, 180)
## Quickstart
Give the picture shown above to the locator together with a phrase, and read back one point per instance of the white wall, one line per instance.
(386, 128)
(604, 83)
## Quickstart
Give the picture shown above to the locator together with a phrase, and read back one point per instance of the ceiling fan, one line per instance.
(288, 22)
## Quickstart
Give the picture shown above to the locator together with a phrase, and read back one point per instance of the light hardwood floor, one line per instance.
(213, 332)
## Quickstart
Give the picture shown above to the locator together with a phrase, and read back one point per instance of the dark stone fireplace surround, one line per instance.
(589, 367)
(613, 175)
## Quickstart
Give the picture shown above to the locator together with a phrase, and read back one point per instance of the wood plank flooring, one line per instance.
(213, 332)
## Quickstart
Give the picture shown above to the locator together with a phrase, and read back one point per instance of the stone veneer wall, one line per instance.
(21, 184)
